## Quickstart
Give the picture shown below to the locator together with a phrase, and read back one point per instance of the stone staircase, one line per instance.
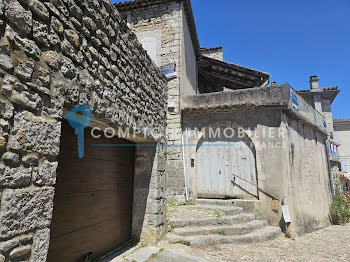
(225, 222)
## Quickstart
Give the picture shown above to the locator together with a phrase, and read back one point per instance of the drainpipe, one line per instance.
(329, 168)
(184, 165)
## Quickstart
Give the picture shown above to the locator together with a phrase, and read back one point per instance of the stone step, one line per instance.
(237, 229)
(259, 235)
(219, 202)
(225, 220)
(247, 204)
(227, 210)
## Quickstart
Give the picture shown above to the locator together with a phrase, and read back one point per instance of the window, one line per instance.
(344, 166)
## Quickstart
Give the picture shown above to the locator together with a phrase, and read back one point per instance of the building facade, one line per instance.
(166, 30)
(342, 133)
(209, 95)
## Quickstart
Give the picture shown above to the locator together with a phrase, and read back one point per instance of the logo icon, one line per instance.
(79, 118)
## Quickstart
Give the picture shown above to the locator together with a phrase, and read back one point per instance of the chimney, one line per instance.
(274, 83)
(313, 82)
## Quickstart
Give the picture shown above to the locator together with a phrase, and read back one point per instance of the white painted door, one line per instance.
(218, 158)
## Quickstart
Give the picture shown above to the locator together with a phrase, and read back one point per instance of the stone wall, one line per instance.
(306, 184)
(165, 21)
(327, 112)
(54, 55)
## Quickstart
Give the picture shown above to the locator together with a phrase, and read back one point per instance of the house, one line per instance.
(229, 133)
(342, 133)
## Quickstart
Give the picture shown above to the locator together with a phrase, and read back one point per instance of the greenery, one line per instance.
(170, 208)
(223, 233)
(186, 243)
(142, 245)
(340, 208)
(191, 203)
(217, 214)
(172, 227)
(171, 204)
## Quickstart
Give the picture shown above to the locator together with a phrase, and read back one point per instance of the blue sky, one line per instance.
(289, 39)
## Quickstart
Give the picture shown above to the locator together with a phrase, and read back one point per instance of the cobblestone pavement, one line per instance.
(328, 244)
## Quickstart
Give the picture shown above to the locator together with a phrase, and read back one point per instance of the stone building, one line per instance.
(53, 56)
(342, 133)
(167, 31)
(277, 146)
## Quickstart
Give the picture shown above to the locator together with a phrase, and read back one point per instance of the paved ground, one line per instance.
(329, 244)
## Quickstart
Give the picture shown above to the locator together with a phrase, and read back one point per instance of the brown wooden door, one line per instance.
(93, 198)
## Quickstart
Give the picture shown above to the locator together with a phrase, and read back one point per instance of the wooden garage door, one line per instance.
(221, 157)
(93, 198)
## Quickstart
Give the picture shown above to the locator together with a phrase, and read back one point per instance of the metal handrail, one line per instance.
(259, 188)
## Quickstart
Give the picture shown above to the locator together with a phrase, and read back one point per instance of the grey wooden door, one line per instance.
(218, 158)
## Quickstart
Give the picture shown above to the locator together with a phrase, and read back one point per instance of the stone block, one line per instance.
(60, 6)
(20, 252)
(33, 133)
(23, 44)
(24, 70)
(46, 173)
(52, 59)
(73, 37)
(154, 220)
(7, 246)
(68, 68)
(38, 8)
(156, 193)
(19, 93)
(10, 158)
(6, 62)
(41, 245)
(2, 7)
(19, 17)
(56, 25)
(41, 33)
(30, 160)
(14, 177)
(6, 110)
(23, 210)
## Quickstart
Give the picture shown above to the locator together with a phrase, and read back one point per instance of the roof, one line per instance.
(129, 5)
(329, 88)
(219, 74)
(341, 124)
(205, 49)
(329, 92)
(341, 121)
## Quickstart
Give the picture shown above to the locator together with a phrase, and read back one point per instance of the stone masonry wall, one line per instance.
(167, 19)
(54, 55)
